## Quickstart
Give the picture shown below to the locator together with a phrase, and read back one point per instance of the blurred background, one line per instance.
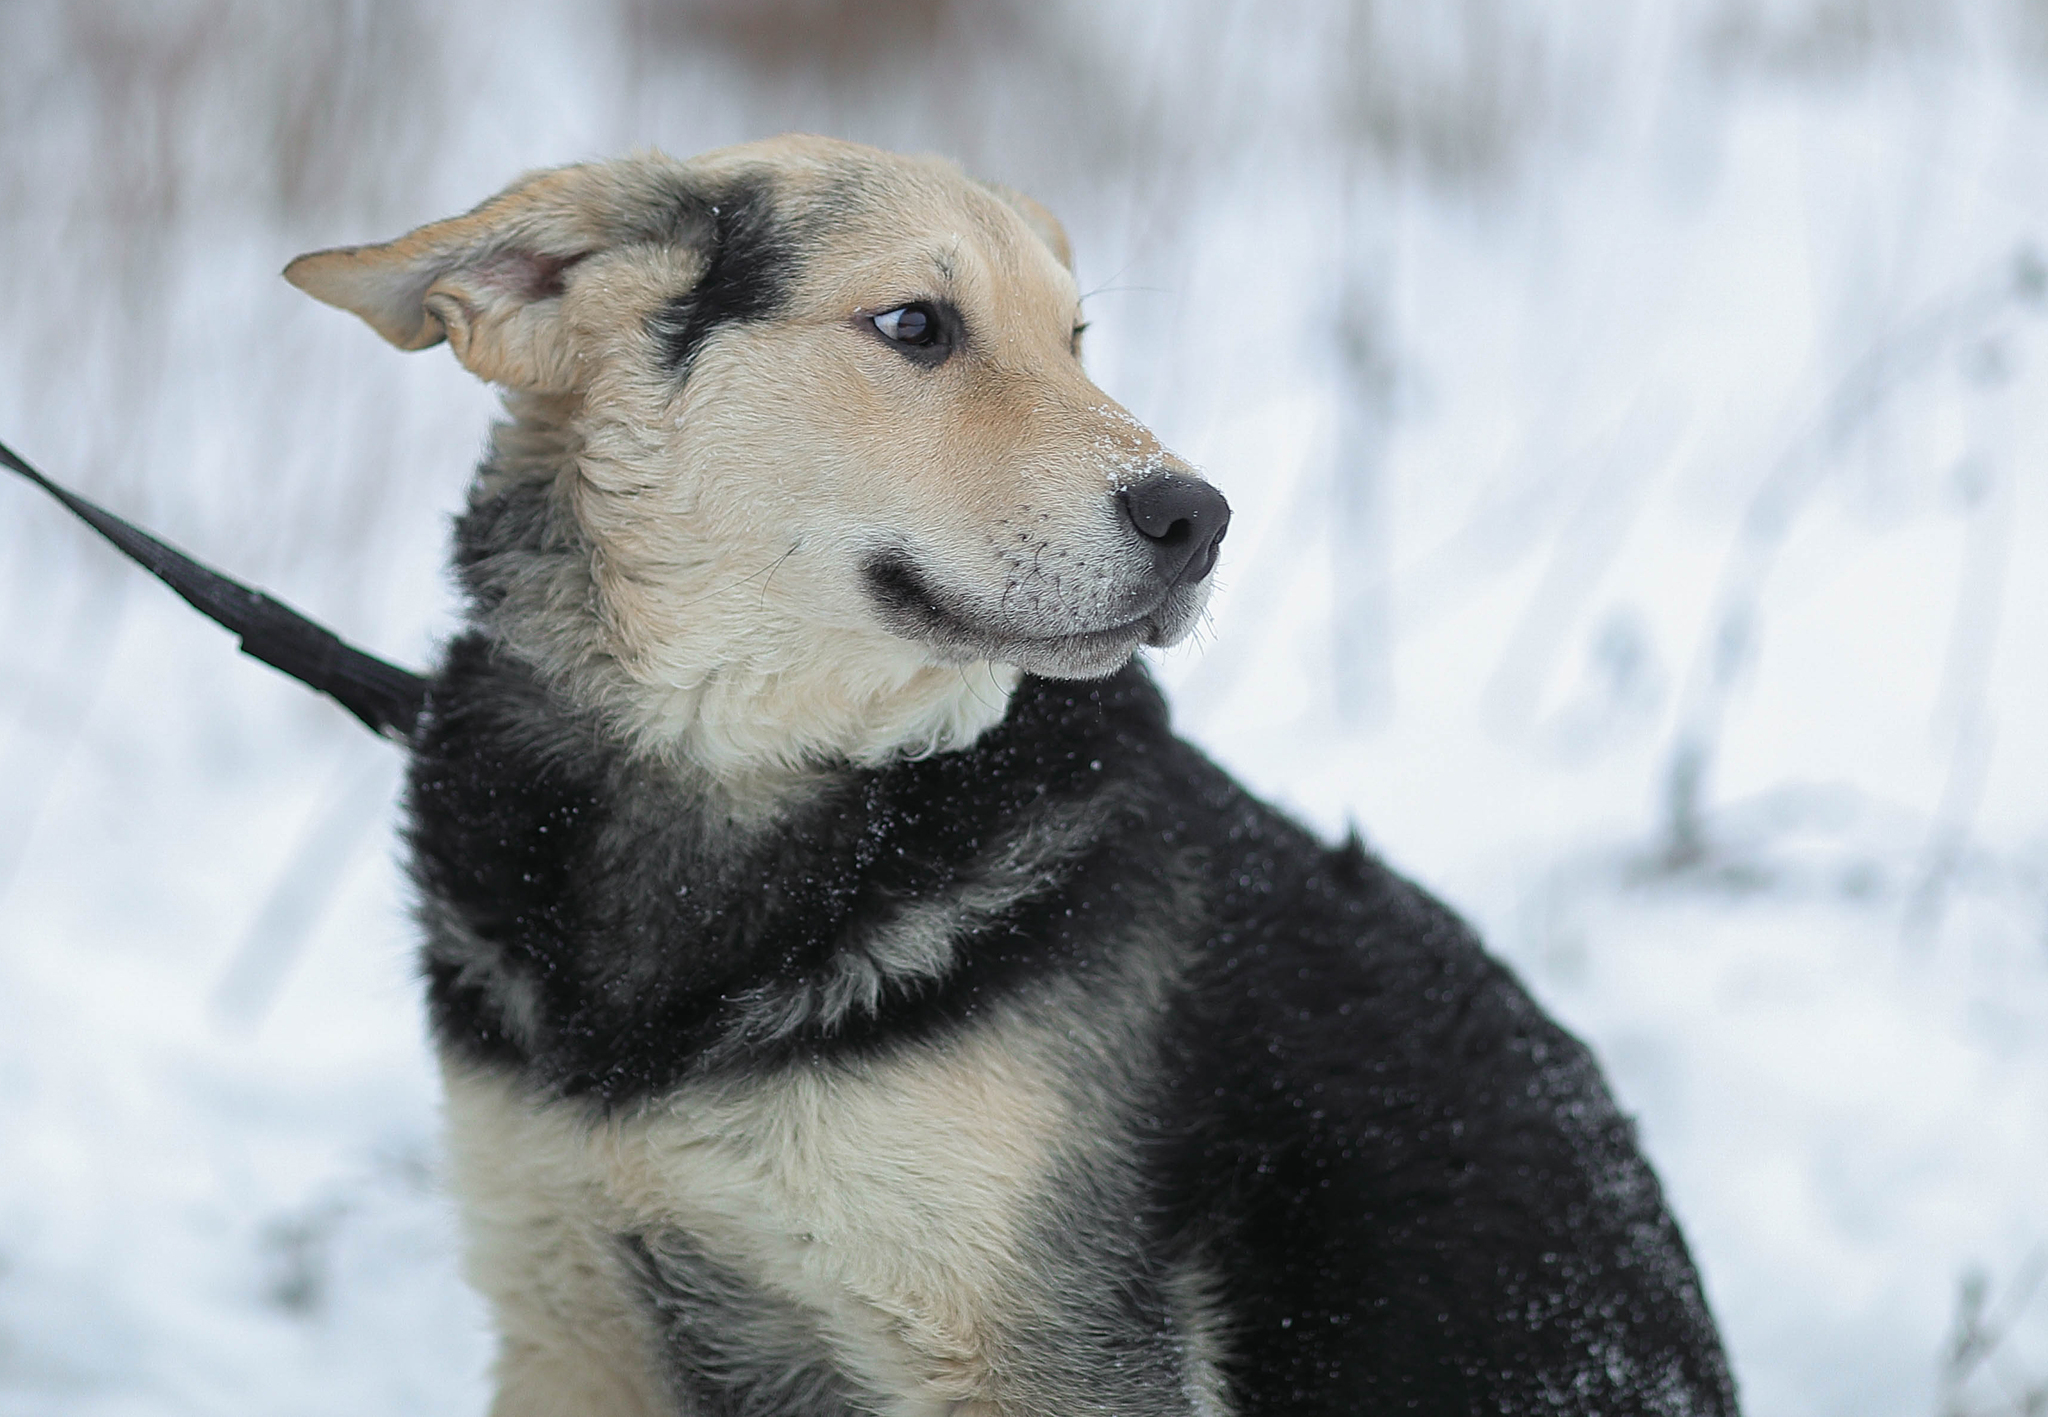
(1634, 414)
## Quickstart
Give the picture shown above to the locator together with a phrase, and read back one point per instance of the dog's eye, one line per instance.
(915, 325)
(1074, 343)
(925, 332)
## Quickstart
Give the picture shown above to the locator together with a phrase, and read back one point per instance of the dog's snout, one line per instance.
(1183, 519)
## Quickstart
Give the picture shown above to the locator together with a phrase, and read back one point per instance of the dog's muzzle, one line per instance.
(1171, 528)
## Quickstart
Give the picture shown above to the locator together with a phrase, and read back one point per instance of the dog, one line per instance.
(851, 996)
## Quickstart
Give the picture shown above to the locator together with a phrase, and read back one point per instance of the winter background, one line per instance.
(1634, 414)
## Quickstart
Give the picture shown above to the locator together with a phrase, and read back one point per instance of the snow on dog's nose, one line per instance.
(1183, 518)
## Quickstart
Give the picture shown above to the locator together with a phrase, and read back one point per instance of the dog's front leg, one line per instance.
(543, 1250)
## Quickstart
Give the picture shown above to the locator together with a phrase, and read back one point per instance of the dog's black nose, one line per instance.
(1183, 518)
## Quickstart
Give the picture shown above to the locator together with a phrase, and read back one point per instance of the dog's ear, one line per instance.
(488, 282)
(1042, 222)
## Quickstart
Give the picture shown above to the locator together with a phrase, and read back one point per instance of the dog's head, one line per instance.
(812, 462)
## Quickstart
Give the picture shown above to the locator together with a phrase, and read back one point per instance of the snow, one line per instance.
(1588, 382)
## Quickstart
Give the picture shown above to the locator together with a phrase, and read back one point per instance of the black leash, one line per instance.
(386, 698)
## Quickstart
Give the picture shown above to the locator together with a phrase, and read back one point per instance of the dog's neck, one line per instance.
(737, 689)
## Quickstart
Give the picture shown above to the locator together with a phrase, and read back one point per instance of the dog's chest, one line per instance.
(884, 1208)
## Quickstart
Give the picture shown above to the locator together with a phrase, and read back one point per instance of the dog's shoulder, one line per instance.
(609, 922)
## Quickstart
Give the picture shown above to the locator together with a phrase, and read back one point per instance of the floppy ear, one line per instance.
(489, 282)
(1042, 222)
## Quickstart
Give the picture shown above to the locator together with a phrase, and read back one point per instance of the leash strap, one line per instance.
(386, 698)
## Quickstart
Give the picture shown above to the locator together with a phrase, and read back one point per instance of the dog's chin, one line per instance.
(1090, 654)
(913, 609)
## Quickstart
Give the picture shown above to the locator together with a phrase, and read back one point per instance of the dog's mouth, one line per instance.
(913, 607)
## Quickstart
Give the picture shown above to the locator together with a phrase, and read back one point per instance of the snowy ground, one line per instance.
(1634, 416)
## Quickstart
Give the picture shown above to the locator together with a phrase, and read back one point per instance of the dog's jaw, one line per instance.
(753, 701)
(755, 731)
(914, 608)
(752, 730)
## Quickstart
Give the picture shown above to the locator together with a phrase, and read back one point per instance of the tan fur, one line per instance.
(886, 1200)
(704, 582)
(726, 519)
(571, 1337)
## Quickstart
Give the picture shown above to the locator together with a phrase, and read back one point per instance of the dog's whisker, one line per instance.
(1120, 289)
(778, 566)
(1109, 285)
(741, 583)
(971, 687)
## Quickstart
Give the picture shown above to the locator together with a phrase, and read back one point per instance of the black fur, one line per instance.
(734, 1351)
(909, 604)
(750, 256)
(578, 869)
(1412, 1188)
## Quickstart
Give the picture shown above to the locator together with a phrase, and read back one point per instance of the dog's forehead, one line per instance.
(857, 219)
(919, 230)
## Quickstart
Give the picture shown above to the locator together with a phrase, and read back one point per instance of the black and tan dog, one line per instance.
(852, 996)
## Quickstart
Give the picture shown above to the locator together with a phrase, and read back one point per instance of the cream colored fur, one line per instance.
(703, 590)
(887, 1200)
(718, 611)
